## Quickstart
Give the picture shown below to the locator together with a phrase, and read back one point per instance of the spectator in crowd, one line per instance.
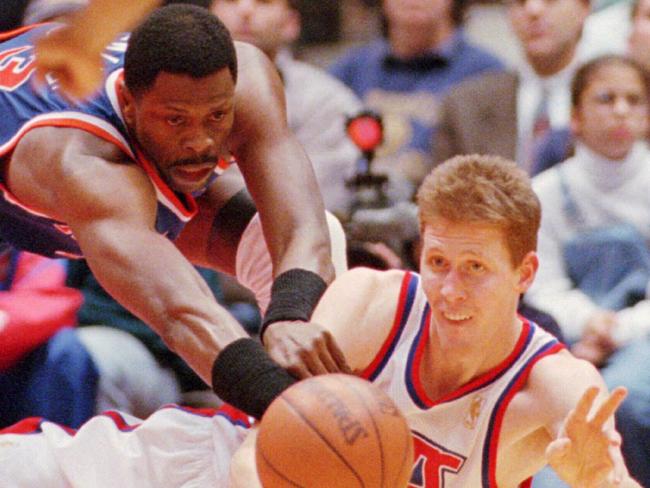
(317, 103)
(594, 257)
(404, 75)
(510, 113)
(44, 368)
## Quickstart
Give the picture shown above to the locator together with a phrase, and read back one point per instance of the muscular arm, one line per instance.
(277, 171)
(110, 207)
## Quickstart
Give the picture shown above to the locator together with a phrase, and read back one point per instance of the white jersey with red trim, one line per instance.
(455, 437)
(24, 105)
(175, 447)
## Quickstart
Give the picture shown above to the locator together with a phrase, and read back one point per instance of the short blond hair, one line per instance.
(486, 189)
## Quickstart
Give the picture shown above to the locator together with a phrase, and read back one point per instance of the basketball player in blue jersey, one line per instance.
(139, 181)
(489, 396)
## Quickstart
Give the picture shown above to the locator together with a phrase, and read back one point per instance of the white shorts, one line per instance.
(174, 447)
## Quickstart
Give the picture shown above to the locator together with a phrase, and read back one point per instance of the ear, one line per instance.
(292, 26)
(527, 271)
(127, 103)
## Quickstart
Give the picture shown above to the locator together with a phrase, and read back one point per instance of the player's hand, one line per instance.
(67, 56)
(304, 349)
(587, 452)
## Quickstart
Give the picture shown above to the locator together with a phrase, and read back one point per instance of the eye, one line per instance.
(218, 116)
(437, 262)
(636, 100)
(604, 97)
(175, 120)
(475, 267)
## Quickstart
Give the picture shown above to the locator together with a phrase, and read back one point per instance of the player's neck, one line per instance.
(445, 370)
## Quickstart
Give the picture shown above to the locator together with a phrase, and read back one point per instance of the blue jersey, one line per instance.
(24, 105)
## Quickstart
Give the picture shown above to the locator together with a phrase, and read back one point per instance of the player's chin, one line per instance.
(190, 182)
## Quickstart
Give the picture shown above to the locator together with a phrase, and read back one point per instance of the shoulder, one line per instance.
(370, 282)
(546, 180)
(484, 88)
(556, 383)
(485, 83)
(362, 295)
(359, 309)
(477, 56)
(357, 57)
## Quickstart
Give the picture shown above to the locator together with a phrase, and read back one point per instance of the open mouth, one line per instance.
(456, 317)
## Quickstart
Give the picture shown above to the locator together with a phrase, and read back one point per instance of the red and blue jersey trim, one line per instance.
(412, 374)
(407, 295)
(514, 386)
(33, 425)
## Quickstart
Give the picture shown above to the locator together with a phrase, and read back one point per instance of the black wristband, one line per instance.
(246, 377)
(294, 296)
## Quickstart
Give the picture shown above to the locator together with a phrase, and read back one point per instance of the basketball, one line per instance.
(331, 431)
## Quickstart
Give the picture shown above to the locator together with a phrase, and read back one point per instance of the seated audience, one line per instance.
(593, 242)
(44, 368)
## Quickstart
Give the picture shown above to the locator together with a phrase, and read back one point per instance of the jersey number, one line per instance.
(15, 69)
(431, 463)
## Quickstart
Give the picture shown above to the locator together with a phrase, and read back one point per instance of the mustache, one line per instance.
(207, 158)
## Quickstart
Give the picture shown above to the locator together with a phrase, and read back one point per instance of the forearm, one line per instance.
(167, 293)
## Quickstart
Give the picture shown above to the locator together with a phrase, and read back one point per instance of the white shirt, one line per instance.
(607, 193)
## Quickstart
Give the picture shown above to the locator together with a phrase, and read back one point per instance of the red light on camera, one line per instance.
(366, 131)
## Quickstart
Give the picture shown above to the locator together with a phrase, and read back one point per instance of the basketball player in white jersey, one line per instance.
(490, 397)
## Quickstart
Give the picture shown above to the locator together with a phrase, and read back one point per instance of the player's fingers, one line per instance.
(609, 406)
(585, 403)
(328, 361)
(298, 371)
(336, 354)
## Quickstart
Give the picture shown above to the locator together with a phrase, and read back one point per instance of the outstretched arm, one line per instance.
(281, 181)
(73, 53)
(587, 451)
(110, 206)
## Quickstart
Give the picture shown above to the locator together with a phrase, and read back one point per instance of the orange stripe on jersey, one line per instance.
(5, 36)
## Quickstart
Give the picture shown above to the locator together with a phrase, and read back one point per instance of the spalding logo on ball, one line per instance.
(334, 431)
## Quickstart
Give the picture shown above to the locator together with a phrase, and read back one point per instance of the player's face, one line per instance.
(640, 37)
(471, 284)
(182, 124)
(548, 29)
(613, 111)
(267, 24)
